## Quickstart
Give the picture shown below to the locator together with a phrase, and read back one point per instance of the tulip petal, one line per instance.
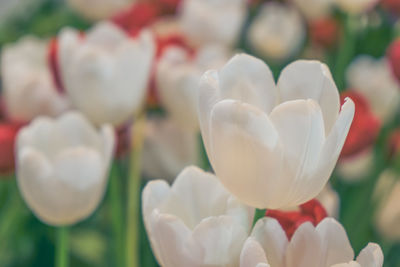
(252, 254)
(311, 80)
(301, 131)
(246, 153)
(270, 235)
(336, 246)
(304, 250)
(331, 150)
(188, 201)
(209, 95)
(220, 240)
(249, 80)
(371, 256)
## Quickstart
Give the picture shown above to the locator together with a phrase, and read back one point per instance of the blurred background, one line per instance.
(364, 58)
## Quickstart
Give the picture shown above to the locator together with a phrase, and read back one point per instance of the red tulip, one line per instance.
(364, 129)
(324, 32)
(394, 144)
(138, 16)
(393, 56)
(52, 58)
(392, 6)
(311, 211)
(8, 133)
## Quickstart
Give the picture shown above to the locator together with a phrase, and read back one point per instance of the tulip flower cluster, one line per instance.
(198, 133)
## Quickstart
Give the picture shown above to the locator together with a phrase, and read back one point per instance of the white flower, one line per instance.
(322, 246)
(356, 167)
(314, 9)
(28, 87)
(387, 195)
(373, 78)
(62, 167)
(168, 148)
(99, 9)
(177, 80)
(273, 146)
(196, 222)
(330, 200)
(326, 245)
(213, 21)
(106, 73)
(356, 6)
(277, 32)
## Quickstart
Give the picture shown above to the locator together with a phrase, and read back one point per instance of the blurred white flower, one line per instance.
(277, 32)
(373, 78)
(356, 6)
(106, 73)
(272, 145)
(62, 167)
(28, 88)
(330, 200)
(357, 167)
(326, 245)
(213, 21)
(387, 195)
(177, 80)
(99, 9)
(314, 9)
(168, 149)
(196, 222)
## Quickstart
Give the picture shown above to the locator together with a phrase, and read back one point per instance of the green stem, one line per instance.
(345, 50)
(132, 225)
(117, 214)
(260, 213)
(62, 247)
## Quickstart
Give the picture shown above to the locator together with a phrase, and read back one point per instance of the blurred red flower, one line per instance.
(8, 133)
(311, 211)
(52, 58)
(365, 127)
(393, 55)
(324, 32)
(392, 6)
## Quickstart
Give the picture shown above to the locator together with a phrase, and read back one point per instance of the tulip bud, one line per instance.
(263, 138)
(325, 244)
(213, 21)
(324, 32)
(356, 6)
(106, 73)
(194, 222)
(365, 127)
(277, 32)
(311, 211)
(28, 88)
(62, 167)
(393, 55)
(98, 9)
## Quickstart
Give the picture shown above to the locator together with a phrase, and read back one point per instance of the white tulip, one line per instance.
(356, 6)
(277, 32)
(314, 9)
(213, 21)
(272, 145)
(196, 222)
(168, 148)
(28, 88)
(373, 78)
(177, 80)
(106, 73)
(326, 245)
(99, 9)
(357, 167)
(62, 167)
(330, 200)
(387, 195)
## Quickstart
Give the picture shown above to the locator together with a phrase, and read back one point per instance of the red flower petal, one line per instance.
(324, 32)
